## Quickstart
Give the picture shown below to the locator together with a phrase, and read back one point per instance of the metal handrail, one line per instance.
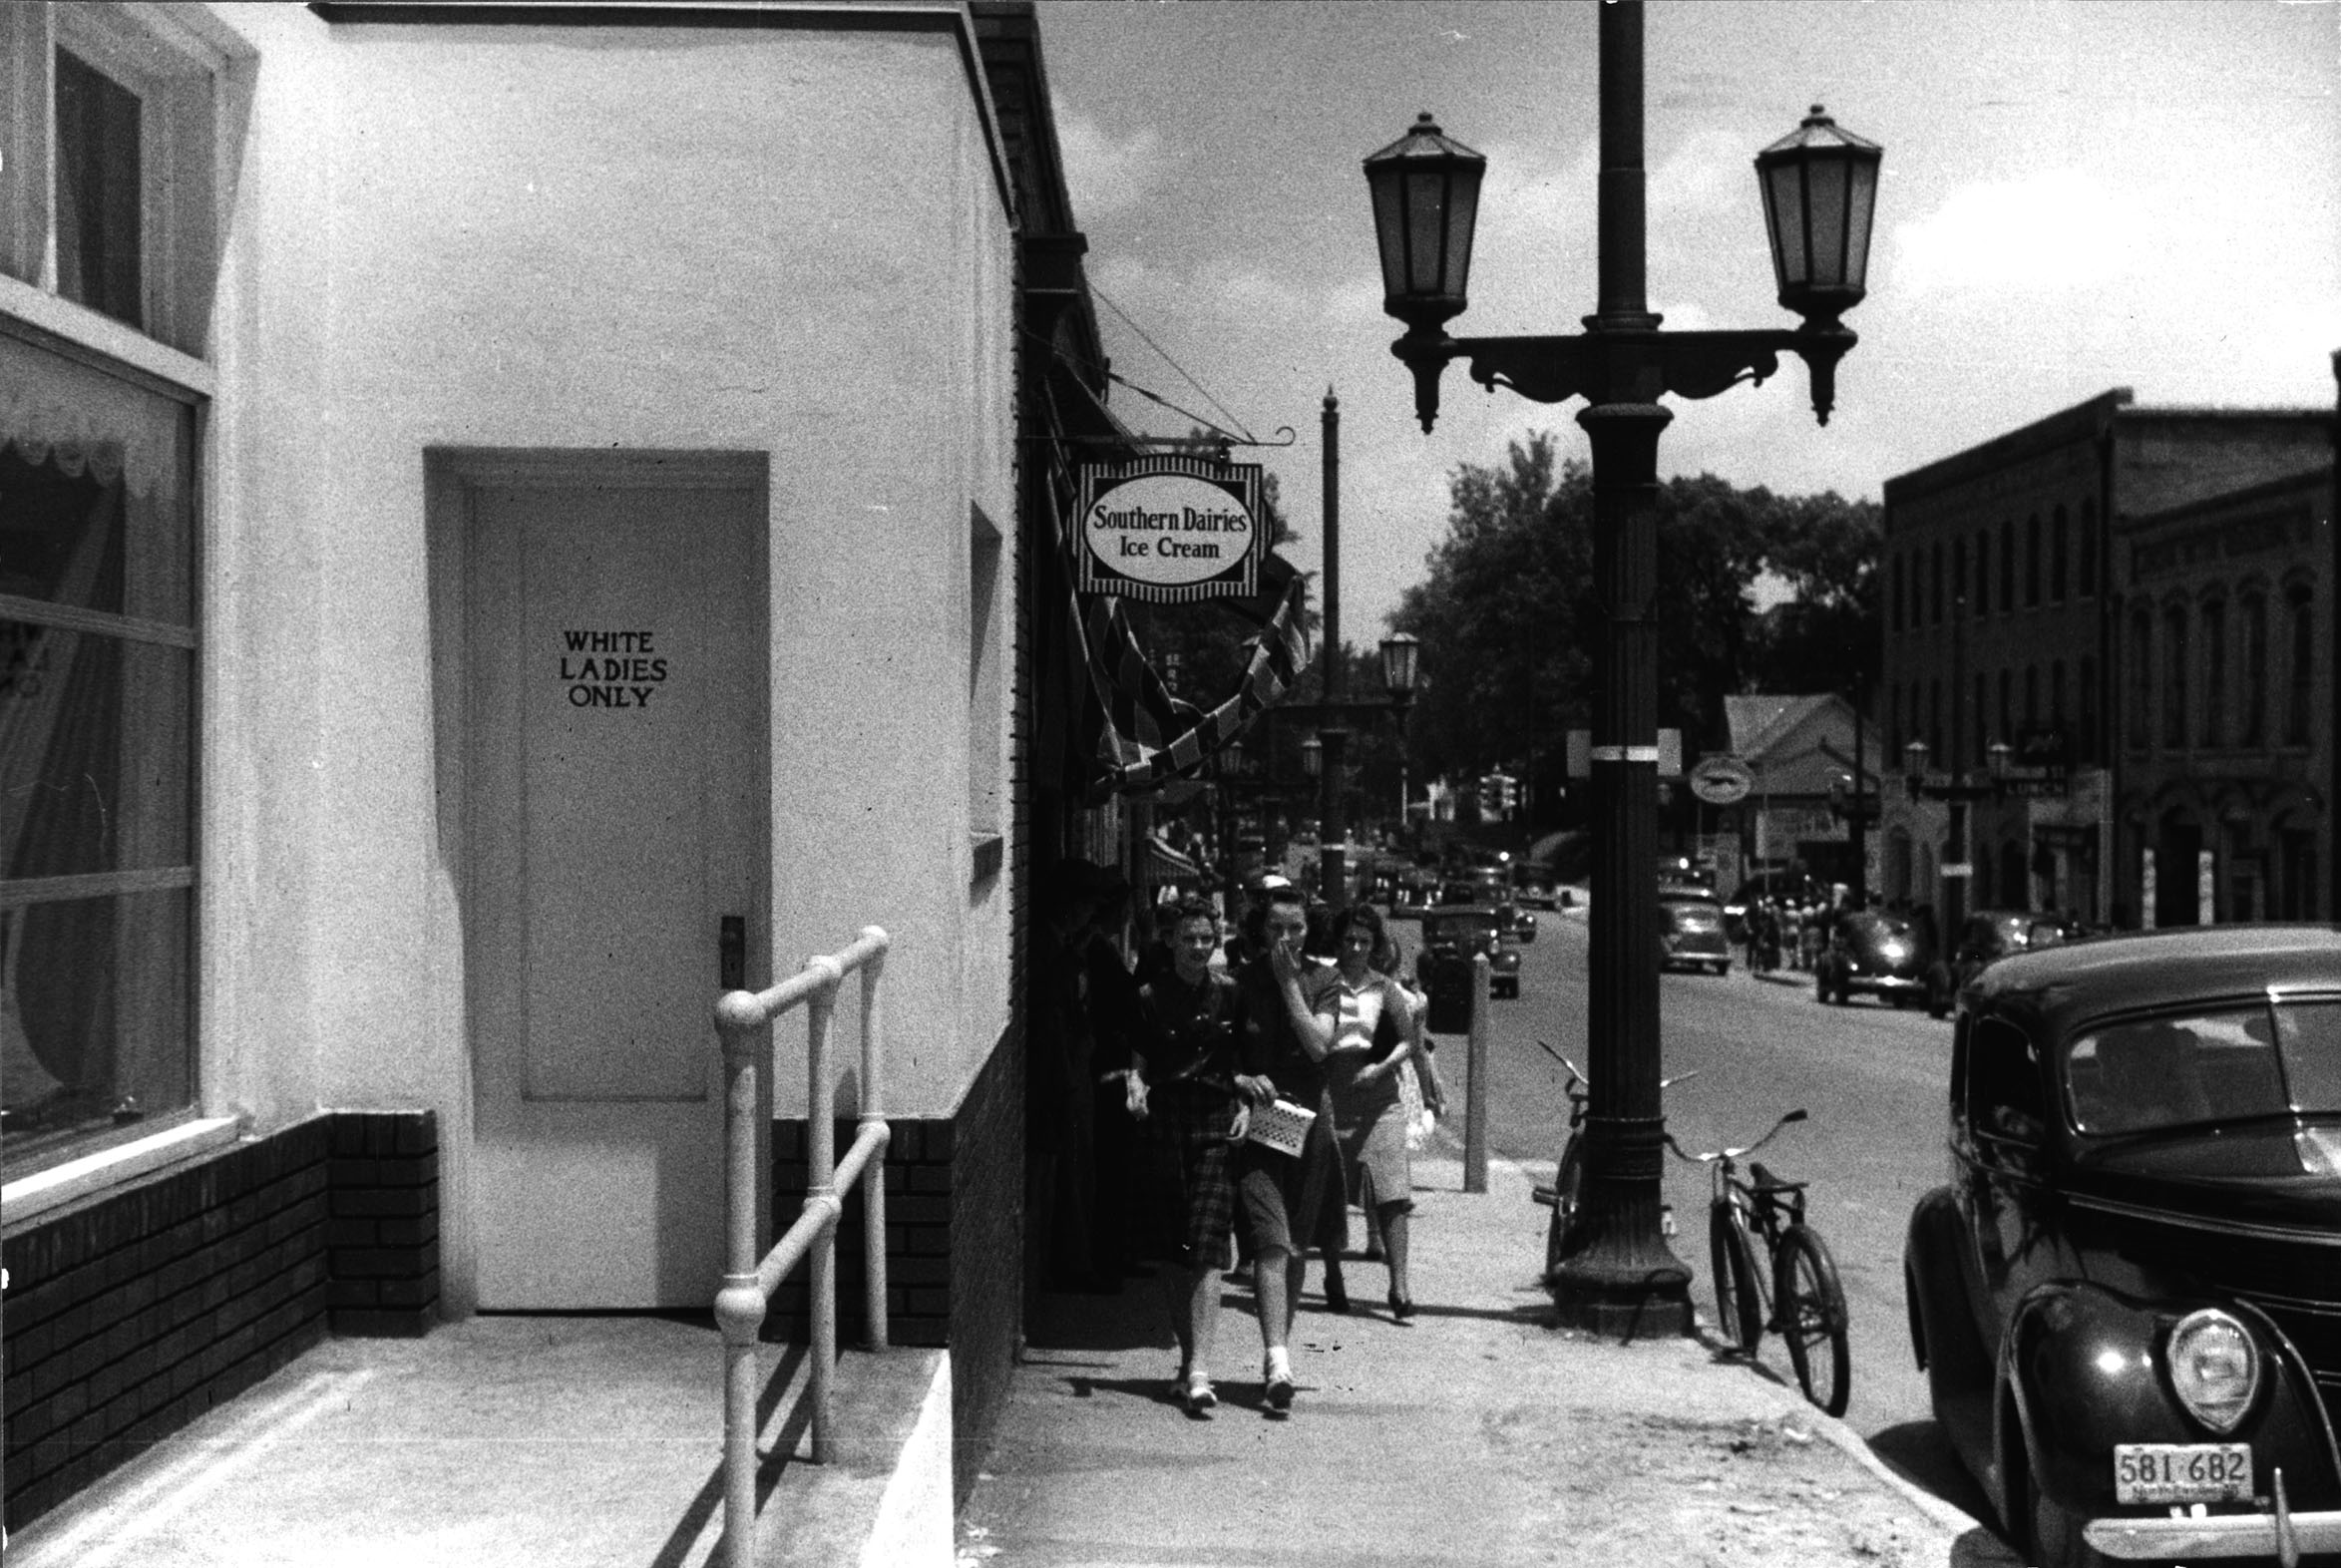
(748, 1282)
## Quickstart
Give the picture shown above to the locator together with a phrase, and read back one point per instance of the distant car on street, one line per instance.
(2126, 1300)
(1461, 932)
(1871, 953)
(1988, 935)
(1518, 923)
(1690, 932)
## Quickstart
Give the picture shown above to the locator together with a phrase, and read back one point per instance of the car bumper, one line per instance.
(2280, 1533)
(1886, 985)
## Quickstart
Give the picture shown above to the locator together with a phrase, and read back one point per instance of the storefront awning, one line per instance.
(1164, 864)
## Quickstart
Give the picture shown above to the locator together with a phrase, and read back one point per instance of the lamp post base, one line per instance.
(1618, 1278)
(1622, 1298)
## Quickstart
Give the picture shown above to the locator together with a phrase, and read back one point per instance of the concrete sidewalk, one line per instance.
(1476, 1435)
(521, 1442)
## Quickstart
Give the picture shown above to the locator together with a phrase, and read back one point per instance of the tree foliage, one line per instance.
(1511, 618)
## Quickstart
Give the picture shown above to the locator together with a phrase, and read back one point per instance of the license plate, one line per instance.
(2181, 1472)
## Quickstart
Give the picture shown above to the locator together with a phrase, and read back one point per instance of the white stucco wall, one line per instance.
(771, 240)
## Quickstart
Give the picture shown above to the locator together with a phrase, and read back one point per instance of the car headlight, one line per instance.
(2214, 1368)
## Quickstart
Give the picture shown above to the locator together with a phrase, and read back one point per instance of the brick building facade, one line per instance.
(2000, 577)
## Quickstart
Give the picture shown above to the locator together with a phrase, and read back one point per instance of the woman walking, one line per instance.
(1182, 1090)
(1364, 1020)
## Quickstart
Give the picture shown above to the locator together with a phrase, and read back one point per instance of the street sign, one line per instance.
(1721, 781)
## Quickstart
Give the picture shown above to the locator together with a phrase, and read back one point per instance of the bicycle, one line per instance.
(1803, 1302)
(1569, 1175)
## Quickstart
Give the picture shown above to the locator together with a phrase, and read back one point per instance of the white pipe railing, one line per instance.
(748, 1282)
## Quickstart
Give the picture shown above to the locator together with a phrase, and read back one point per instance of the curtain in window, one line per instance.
(96, 745)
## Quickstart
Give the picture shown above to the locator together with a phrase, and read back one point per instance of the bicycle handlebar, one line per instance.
(1576, 1078)
(1734, 1156)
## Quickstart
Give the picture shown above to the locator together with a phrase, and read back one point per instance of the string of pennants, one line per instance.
(1130, 757)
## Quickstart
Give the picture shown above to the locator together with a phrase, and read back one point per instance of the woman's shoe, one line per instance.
(1401, 1307)
(1278, 1387)
(1199, 1396)
(1337, 1297)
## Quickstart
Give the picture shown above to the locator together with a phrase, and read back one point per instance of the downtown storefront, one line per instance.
(478, 567)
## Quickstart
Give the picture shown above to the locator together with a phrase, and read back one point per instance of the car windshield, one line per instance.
(1465, 927)
(2218, 1065)
(1879, 927)
(1694, 916)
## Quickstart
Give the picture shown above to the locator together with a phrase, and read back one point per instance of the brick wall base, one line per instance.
(130, 1315)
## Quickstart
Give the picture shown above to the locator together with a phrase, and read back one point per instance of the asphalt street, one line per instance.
(1873, 1083)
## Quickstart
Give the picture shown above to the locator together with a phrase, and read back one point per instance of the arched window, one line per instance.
(2084, 706)
(1935, 571)
(2141, 680)
(2252, 713)
(1958, 572)
(2214, 670)
(2032, 696)
(2032, 560)
(2174, 673)
(2303, 671)
(2059, 547)
(2088, 548)
(2007, 731)
(1983, 571)
(2007, 564)
(2057, 699)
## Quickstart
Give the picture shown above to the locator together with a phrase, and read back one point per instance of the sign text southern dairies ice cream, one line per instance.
(1171, 528)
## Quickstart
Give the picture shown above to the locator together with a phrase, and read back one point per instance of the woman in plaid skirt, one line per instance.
(1182, 1092)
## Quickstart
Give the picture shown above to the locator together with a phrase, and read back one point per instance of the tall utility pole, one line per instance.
(1332, 831)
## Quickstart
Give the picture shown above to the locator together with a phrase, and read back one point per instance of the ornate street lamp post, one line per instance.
(1820, 187)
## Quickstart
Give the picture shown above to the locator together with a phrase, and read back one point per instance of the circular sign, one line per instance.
(1721, 781)
(1168, 529)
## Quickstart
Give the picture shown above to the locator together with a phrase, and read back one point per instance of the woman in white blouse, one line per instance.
(1364, 1024)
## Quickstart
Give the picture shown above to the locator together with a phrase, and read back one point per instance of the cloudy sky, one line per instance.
(2076, 196)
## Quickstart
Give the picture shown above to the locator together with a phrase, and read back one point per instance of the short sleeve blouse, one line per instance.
(1356, 1010)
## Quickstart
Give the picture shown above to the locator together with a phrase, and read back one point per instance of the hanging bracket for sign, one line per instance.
(1171, 528)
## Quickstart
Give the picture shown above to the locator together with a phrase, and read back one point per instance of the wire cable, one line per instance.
(1224, 410)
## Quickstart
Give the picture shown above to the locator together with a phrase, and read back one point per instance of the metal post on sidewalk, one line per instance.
(1475, 1092)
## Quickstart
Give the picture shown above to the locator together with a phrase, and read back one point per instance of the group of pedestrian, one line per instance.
(1314, 1053)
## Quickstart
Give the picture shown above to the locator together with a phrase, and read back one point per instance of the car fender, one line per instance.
(2083, 1365)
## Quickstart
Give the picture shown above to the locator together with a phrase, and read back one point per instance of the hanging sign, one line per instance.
(1168, 530)
(1722, 780)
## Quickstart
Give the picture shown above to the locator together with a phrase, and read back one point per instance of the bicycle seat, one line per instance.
(1765, 1181)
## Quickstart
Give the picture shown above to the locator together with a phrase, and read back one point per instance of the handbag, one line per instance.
(1282, 1126)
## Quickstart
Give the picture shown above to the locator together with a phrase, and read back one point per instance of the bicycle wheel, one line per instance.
(1812, 1319)
(1568, 1183)
(1739, 1314)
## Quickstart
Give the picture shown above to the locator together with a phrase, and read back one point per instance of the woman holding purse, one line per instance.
(1365, 1021)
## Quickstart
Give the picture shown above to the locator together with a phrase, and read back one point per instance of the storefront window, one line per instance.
(97, 752)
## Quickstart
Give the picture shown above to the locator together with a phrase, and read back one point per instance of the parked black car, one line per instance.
(2127, 1299)
(1871, 953)
(1460, 933)
(1987, 935)
(1519, 922)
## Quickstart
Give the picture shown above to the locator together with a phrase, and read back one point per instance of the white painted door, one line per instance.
(616, 664)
